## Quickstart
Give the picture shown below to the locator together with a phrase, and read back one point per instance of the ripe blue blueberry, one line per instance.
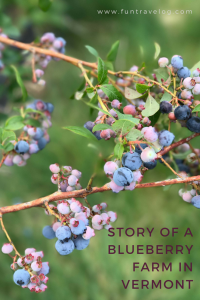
(165, 107)
(131, 161)
(89, 125)
(150, 165)
(138, 150)
(64, 247)
(38, 134)
(183, 168)
(80, 229)
(63, 232)
(182, 112)
(177, 61)
(21, 277)
(183, 73)
(165, 138)
(123, 177)
(97, 134)
(196, 201)
(193, 124)
(80, 243)
(21, 147)
(42, 143)
(50, 107)
(48, 232)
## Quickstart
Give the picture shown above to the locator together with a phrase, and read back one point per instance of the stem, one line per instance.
(164, 161)
(194, 151)
(89, 186)
(8, 237)
(51, 210)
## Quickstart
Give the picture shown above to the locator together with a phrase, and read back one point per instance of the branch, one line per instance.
(84, 193)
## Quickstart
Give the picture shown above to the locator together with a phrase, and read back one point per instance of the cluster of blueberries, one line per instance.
(34, 138)
(75, 223)
(69, 178)
(29, 270)
(51, 42)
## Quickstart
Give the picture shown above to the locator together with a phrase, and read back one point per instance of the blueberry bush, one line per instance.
(133, 108)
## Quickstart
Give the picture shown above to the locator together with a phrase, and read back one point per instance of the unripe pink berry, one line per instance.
(81, 216)
(148, 154)
(7, 248)
(54, 168)
(29, 251)
(185, 94)
(97, 220)
(187, 196)
(163, 62)
(106, 219)
(189, 83)
(137, 176)
(56, 225)
(89, 233)
(112, 215)
(75, 207)
(171, 116)
(76, 173)
(72, 180)
(150, 134)
(104, 205)
(131, 187)
(37, 254)
(116, 104)
(115, 188)
(110, 167)
(97, 208)
(39, 73)
(36, 266)
(134, 68)
(54, 178)
(108, 226)
(8, 160)
(105, 134)
(70, 188)
(17, 159)
(129, 110)
(196, 89)
(63, 208)
(97, 227)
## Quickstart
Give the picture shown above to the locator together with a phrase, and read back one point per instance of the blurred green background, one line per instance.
(92, 273)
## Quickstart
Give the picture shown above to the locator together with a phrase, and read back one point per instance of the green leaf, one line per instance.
(14, 123)
(134, 135)
(89, 90)
(102, 71)
(8, 136)
(157, 52)
(127, 117)
(98, 108)
(166, 96)
(142, 88)
(131, 94)
(81, 131)
(151, 107)
(44, 5)
(81, 87)
(118, 150)
(1, 147)
(196, 66)
(101, 127)
(109, 65)
(161, 73)
(197, 108)
(9, 147)
(30, 110)
(1, 132)
(94, 99)
(21, 84)
(154, 118)
(111, 92)
(92, 50)
(33, 122)
(113, 52)
(122, 126)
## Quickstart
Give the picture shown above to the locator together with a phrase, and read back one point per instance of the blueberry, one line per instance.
(64, 248)
(193, 124)
(183, 168)
(38, 134)
(182, 112)
(21, 277)
(80, 243)
(48, 232)
(50, 107)
(80, 229)
(165, 138)
(97, 134)
(179, 161)
(22, 147)
(89, 125)
(196, 201)
(42, 143)
(184, 72)
(63, 232)
(165, 107)
(123, 177)
(177, 61)
(138, 150)
(131, 161)
(150, 165)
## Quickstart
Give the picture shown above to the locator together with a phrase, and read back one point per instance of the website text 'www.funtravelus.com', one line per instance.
(144, 12)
